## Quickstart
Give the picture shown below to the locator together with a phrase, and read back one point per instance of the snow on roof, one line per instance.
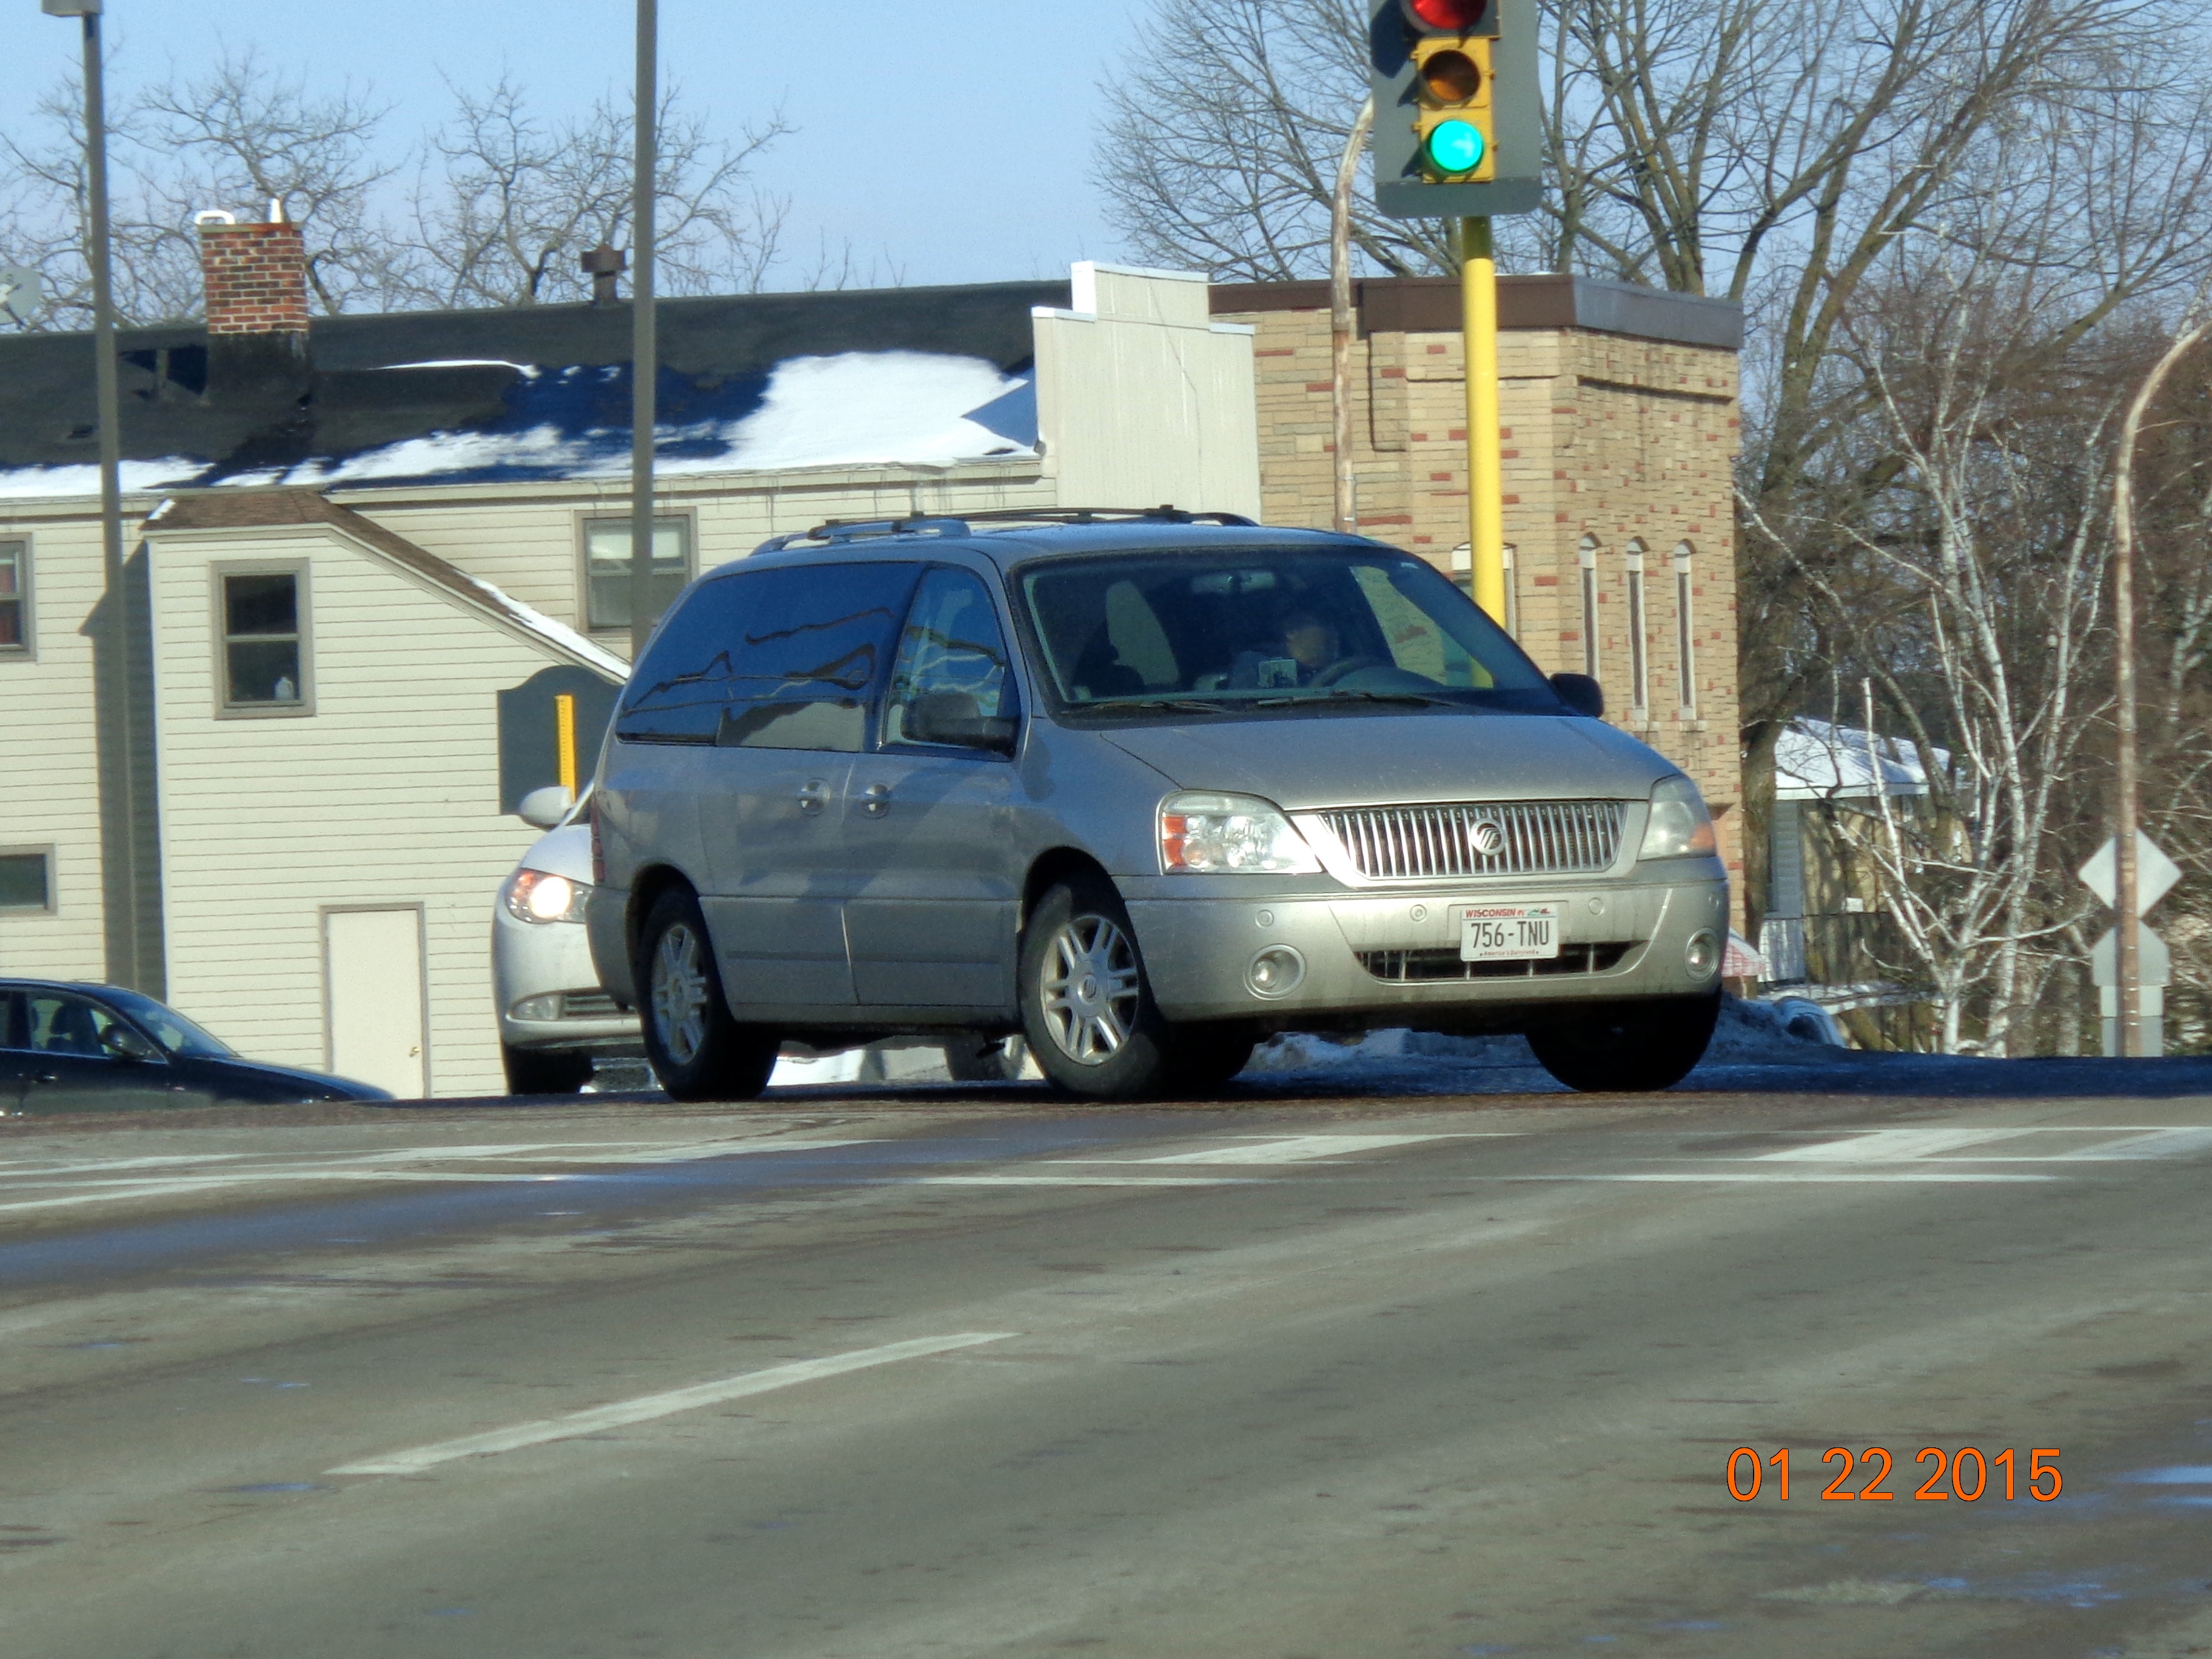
(849, 409)
(1816, 760)
(35, 483)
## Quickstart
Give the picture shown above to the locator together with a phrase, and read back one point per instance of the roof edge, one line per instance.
(1544, 300)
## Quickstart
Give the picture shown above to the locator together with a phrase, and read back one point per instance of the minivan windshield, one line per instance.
(1170, 634)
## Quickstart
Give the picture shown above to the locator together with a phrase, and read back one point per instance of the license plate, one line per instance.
(1508, 932)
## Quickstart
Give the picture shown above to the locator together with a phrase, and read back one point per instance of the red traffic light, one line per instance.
(1446, 16)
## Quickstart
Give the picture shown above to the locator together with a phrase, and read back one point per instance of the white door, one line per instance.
(373, 969)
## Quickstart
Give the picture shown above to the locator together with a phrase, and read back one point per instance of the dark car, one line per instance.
(69, 1048)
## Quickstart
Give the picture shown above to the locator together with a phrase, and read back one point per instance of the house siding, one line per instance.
(387, 794)
(50, 755)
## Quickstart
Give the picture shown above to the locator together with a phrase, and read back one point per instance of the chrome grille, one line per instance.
(1409, 966)
(1533, 838)
(588, 1005)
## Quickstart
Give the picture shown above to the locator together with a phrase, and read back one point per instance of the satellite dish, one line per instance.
(22, 297)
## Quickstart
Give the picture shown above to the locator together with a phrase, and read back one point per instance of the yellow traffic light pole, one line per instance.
(1485, 500)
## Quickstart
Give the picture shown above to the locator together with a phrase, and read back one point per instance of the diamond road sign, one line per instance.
(2155, 873)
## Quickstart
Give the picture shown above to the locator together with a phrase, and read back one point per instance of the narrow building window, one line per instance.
(1587, 558)
(1684, 630)
(263, 668)
(15, 596)
(1512, 594)
(1640, 666)
(606, 569)
(27, 880)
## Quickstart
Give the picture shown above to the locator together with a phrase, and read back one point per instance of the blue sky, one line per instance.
(956, 134)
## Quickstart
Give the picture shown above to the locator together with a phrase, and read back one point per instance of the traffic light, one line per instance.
(1457, 124)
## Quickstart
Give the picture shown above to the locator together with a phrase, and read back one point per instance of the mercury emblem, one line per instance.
(1486, 837)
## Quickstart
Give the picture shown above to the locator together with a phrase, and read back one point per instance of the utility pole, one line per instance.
(2126, 806)
(1342, 321)
(644, 356)
(127, 946)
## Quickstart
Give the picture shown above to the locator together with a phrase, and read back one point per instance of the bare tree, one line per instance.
(505, 201)
(244, 136)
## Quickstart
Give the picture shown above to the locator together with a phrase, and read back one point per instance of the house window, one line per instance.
(264, 665)
(1684, 630)
(1586, 557)
(1639, 664)
(606, 569)
(1512, 594)
(27, 880)
(15, 596)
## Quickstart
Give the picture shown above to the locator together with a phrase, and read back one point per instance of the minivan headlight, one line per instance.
(1680, 827)
(1216, 835)
(539, 896)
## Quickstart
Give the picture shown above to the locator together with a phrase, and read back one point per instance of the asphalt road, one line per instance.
(890, 1375)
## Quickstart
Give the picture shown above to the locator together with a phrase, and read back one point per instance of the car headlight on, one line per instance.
(1224, 834)
(538, 895)
(1680, 827)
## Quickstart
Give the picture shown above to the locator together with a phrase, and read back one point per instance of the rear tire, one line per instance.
(1632, 1049)
(545, 1071)
(1086, 1008)
(697, 1049)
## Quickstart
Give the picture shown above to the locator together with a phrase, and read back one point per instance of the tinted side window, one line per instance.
(679, 691)
(814, 645)
(952, 648)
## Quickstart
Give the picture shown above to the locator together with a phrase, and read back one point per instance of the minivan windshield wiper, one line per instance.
(1162, 705)
(1412, 697)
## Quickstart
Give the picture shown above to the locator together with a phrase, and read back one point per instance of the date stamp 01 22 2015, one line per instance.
(1967, 1474)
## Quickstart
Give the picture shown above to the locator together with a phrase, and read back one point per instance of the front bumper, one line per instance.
(1374, 958)
(540, 960)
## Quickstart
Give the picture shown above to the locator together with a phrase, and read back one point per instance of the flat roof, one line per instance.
(1431, 305)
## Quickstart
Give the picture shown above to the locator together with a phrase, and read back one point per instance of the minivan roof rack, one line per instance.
(922, 523)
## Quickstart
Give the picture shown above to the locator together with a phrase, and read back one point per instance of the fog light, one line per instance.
(548, 1007)
(1703, 950)
(1275, 972)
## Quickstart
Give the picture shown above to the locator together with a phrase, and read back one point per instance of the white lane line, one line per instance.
(1072, 1180)
(1953, 1145)
(1789, 1177)
(646, 1407)
(702, 1149)
(27, 1167)
(1292, 1149)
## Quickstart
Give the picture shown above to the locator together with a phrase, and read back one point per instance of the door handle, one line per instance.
(47, 1077)
(876, 799)
(814, 796)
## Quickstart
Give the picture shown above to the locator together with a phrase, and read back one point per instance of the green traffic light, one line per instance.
(1454, 147)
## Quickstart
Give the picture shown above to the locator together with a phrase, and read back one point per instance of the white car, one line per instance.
(553, 1017)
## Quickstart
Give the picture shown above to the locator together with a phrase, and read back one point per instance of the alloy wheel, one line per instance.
(679, 994)
(1090, 990)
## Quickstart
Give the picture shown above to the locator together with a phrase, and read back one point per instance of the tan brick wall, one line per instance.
(1624, 440)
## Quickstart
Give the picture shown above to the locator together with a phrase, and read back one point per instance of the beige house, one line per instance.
(1620, 425)
(368, 563)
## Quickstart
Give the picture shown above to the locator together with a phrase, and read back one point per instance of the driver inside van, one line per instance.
(1307, 648)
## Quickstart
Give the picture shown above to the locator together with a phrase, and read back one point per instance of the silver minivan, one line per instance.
(1142, 787)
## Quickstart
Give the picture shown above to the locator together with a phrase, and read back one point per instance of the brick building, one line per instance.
(1620, 425)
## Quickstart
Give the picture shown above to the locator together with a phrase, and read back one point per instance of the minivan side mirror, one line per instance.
(951, 718)
(543, 808)
(1580, 693)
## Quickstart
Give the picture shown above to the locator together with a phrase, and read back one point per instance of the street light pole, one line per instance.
(118, 731)
(2127, 960)
(644, 360)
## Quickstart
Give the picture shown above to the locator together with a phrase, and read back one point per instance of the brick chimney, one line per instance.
(256, 281)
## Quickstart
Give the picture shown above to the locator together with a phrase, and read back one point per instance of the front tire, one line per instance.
(1086, 1008)
(545, 1071)
(697, 1049)
(1632, 1049)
